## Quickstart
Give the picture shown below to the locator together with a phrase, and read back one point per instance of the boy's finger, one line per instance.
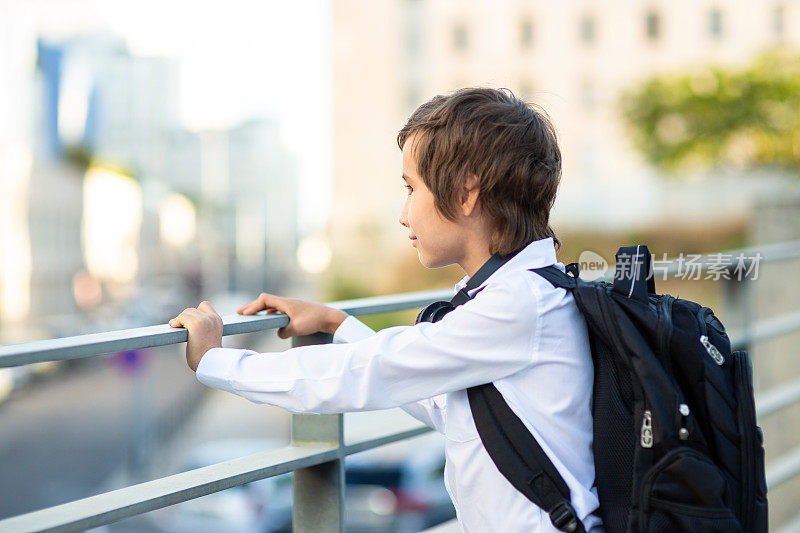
(206, 307)
(252, 307)
(249, 309)
(188, 316)
(181, 320)
(267, 301)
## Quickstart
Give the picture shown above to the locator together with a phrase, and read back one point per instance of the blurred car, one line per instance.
(263, 506)
(397, 488)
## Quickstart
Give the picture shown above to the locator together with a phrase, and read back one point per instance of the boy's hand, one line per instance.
(205, 331)
(305, 317)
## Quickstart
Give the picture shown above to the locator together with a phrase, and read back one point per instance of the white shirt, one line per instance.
(519, 332)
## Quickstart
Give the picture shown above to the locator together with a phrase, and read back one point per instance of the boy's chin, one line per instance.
(432, 262)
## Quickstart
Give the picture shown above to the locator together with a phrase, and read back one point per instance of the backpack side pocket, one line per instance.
(685, 491)
(754, 484)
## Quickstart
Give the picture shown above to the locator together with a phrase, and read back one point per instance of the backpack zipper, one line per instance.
(712, 350)
(646, 439)
(664, 309)
(665, 332)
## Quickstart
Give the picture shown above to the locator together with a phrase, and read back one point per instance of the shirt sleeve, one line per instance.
(486, 339)
(429, 411)
(351, 330)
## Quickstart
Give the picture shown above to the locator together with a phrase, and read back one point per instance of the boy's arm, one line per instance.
(430, 411)
(490, 337)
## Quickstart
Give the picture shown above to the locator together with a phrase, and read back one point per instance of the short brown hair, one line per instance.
(508, 144)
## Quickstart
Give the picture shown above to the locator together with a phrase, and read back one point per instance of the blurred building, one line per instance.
(265, 192)
(40, 218)
(16, 95)
(245, 186)
(105, 192)
(240, 178)
(574, 58)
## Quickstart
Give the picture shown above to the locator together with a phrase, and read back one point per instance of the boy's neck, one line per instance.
(478, 241)
(474, 262)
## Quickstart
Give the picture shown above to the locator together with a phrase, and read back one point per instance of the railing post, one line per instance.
(318, 490)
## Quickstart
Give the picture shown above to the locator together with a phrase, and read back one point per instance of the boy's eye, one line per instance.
(410, 189)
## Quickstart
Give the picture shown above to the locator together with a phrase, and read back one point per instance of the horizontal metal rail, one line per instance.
(781, 397)
(783, 468)
(767, 253)
(766, 329)
(148, 337)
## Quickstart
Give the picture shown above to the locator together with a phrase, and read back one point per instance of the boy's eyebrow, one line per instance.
(405, 178)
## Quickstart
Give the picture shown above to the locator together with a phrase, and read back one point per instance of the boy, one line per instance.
(482, 169)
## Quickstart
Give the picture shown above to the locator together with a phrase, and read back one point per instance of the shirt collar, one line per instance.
(536, 254)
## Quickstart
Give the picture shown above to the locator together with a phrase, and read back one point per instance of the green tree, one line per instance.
(716, 116)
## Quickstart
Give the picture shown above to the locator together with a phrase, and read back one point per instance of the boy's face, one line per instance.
(439, 242)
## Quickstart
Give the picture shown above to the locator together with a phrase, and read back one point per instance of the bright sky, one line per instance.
(238, 59)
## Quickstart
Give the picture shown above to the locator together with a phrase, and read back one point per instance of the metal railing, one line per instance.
(318, 446)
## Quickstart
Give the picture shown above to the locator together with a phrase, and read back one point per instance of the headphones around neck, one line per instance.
(437, 310)
(434, 312)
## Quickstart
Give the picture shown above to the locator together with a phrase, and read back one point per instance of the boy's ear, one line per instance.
(469, 195)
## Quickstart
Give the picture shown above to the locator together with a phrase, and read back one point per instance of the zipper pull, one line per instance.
(647, 430)
(712, 350)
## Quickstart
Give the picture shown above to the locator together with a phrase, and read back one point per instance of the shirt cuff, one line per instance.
(214, 368)
(351, 330)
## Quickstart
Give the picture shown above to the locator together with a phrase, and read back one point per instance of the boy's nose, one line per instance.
(404, 215)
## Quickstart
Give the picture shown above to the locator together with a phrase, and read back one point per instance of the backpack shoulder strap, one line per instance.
(520, 458)
(557, 278)
(516, 453)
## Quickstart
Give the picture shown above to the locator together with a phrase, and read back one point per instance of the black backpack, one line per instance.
(676, 445)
